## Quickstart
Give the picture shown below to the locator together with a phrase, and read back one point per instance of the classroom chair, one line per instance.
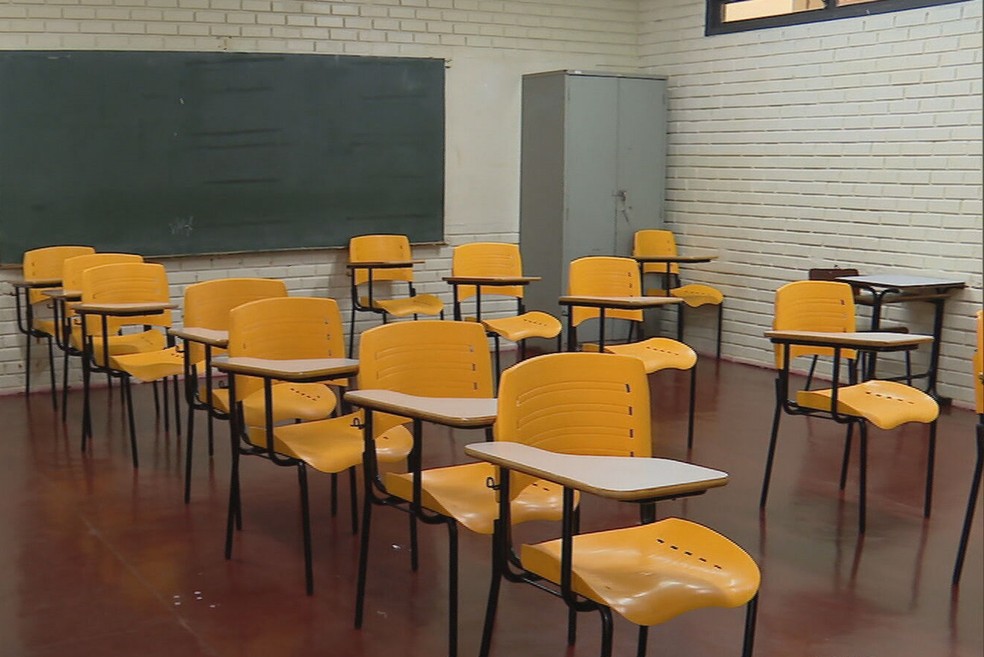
(619, 277)
(648, 573)
(662, 242)
(433, 359)
(207, 306)
(375, 259)
(977, 368)
(828, 307)
(69, 337)
(500, 259)
(42, 264)
(290, 329)
(133, 287)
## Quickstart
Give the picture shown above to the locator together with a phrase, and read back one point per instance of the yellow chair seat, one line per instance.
(695, 295)
(150, 365)
(334, 444)
(533, 324)
(658, 354)
(886, 404)
(652, 573)
(291, 401)
(128, 343)
(220, 396)
(421, 304)
(460, 492)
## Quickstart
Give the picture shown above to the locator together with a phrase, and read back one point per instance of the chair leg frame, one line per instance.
(975, 488)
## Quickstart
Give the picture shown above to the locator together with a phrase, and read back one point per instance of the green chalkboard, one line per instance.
(168, 153)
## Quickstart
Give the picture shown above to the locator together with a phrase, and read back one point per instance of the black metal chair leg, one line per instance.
(351, 344)
(452, 588)
(51, 374)
(64, 409)
(975, 487)
(189, 447)
(751, 612)
(643, 639)
(27, 360)
(606, 631)
(128, 399)
(360, 589)
(720, 324)
(306, 528)
(930, 467)
(772, 449)
(492, 605)
(176, 387)
(334, 494)
(690, 412)
(354, 501)
(846, 459)
(863, 491)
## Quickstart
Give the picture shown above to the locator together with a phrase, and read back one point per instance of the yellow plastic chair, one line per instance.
(828, 306)
(598, 405)
(42, 264)
(288, 328)
(975, 484)
(662, 242)
(207, 306)
(448, 359)
(378, 253)
(616, 276)
(69, 336)
(154, 358)
(501, 259)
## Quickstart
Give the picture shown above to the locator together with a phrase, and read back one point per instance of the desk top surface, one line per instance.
(871, 340)
(491, 280)
(597, 301)
(617, 477)
(903, 281)
(123, 309)
(450, 411)
(212, 337)
(61, 293)
(301, 369)
(37, 282)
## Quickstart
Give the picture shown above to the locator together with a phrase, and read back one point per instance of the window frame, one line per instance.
(715, 10)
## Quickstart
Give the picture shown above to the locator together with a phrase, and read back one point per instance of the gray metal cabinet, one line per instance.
(593, 166)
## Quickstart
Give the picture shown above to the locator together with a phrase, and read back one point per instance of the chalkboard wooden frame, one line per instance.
(174, 153)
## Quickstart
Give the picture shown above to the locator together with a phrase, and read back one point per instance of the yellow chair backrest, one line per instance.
(46, 263)
(654, 242)
(430, 358)
(813, 306)
(609, 276)
(577, 403)
(72, 270)
(126, 282)
(284, 328)
(208, 304)
(979, 364)
(487, 259)
(381, 248)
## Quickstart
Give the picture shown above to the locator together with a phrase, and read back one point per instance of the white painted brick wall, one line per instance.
(854, 142)
(489, 45)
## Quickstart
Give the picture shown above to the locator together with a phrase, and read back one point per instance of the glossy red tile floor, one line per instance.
(99, 560)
